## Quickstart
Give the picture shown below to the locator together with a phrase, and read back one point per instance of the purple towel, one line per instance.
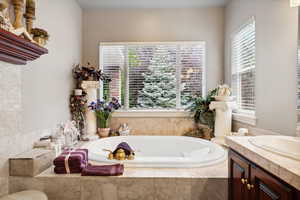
(104, 170)
(125, 146)
(73, 170)
(71, 161)
(76, 158)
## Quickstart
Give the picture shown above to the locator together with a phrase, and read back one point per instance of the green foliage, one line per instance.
(106, 90)
(133, 58)
(200, 108)
(123, 89)
(103, 118)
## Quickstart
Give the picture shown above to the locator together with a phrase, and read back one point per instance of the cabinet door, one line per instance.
(264, 186)
(238, 177)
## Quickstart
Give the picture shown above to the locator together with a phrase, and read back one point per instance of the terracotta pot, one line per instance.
(103, 132)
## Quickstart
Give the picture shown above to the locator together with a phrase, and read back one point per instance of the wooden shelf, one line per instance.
(16, 50)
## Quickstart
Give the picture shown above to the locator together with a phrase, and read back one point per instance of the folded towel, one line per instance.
(71, 161)
(72, 170)
(125, 146)
(104, 170)
(75, 157)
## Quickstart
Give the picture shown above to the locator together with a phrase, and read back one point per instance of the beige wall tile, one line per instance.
(3, 186)
(135, 189)
(155, 126)
(98, 189)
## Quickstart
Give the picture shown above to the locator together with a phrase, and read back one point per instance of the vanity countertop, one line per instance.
(284, 168)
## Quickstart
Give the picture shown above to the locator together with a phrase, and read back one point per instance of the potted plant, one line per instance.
(40, 36)
(200, 109)
(103, 112)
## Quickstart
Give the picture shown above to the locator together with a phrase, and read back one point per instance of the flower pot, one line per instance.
(103, 132)
(40, 40)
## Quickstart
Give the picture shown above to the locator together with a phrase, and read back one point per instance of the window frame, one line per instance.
(175, 112)
(242, 115)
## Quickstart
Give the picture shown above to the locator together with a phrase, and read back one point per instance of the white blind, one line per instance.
(113, 64)
(156, 75)
(243, 67)
(192, 71)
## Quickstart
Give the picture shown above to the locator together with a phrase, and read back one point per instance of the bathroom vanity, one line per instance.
(256, 174)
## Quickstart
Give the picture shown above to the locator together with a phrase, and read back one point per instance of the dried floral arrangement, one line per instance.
(89, 73)
(78, 101)
(77, 109)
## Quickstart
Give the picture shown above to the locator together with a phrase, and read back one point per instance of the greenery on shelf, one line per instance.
(38, 32)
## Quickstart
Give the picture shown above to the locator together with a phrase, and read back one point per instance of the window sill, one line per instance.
(152, 114)
(247, 119)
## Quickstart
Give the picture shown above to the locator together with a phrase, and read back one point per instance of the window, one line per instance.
(243, 68)
(147, 76)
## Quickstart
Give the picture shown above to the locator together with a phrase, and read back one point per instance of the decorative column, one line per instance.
(30, 14)
(223, 117)
(18, 9)
(90, 87)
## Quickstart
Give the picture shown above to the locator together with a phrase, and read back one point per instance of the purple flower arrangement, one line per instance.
(104, 110)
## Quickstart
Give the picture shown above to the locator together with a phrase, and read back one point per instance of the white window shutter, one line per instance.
(243, 67)
(154, 75)
(112, 64)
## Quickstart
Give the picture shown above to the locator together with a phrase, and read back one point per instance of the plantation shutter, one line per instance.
(147, 82)
(154, 75)
(113, 63)
(192, 58)
(243, 67)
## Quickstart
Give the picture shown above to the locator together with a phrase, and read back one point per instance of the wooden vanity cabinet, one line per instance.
(239, 176)
(247, 181)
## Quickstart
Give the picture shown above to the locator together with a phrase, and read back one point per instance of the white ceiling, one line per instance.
(150, 3)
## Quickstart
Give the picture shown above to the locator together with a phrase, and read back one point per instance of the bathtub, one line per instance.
(160, 151)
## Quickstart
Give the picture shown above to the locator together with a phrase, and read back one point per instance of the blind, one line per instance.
(155, 75)
(192, 62)
(243, 67)
(152, 77)
(113, 65)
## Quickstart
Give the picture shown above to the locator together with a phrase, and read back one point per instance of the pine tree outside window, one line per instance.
(153, 76)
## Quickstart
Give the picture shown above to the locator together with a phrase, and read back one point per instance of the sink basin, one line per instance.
(283, 145)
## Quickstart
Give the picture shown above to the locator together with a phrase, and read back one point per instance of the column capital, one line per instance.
(223, 105)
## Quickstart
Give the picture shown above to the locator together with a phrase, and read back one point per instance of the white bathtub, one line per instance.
(160, 151)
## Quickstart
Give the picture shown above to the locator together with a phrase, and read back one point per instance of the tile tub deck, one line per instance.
(207, 183)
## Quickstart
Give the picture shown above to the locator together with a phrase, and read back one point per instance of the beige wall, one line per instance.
(34, 98)
(144, 25)
(276, 45)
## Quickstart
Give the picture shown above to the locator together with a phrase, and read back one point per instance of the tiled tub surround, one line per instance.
(284, 168)
(175, 126)
(209, 183)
